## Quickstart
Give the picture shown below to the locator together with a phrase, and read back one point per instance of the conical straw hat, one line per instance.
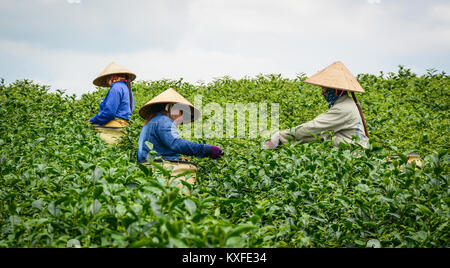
(336, 76)
(112, 68)
(171, 96)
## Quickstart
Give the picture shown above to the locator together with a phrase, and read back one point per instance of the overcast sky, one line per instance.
(66, 43)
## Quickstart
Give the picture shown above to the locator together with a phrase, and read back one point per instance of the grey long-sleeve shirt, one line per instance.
(343, 119)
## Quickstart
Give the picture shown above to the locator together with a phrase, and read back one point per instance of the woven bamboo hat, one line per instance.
(171, 96)
(112, 68)
(336, 76)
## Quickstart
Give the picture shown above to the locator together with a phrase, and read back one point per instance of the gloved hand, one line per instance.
(274, 141)
(216, 152)
(270, 145)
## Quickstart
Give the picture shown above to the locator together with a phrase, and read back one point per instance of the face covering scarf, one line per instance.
(331, 96)
(116, 79)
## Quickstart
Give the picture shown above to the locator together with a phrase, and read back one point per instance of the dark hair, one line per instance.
(129, 91)
(154, 109)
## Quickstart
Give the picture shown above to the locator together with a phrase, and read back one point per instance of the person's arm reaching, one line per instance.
(332, 120)
(169, 136)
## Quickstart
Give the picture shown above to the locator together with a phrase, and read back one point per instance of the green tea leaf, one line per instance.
(95, 207)
(190, 206)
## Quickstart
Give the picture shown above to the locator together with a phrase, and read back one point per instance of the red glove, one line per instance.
(270, 145)
(216, 152)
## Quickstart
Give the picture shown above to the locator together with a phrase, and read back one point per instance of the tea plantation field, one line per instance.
(60, 186)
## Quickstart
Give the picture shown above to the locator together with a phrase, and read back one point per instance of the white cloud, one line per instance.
(68, 45)
(441, 13)
(75, 71)
(374, 1)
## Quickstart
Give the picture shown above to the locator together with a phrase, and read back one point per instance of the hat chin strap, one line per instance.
(360, 113)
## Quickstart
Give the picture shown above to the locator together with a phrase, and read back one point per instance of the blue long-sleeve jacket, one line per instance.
(116, 104)
(162, 132)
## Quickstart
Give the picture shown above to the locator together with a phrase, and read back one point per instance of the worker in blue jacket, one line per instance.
(161, 132)
(118, 105)
(163, 118)
(163, 115)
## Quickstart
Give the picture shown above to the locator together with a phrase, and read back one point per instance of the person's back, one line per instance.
(152, 131)
(116, 104)
(353, 125)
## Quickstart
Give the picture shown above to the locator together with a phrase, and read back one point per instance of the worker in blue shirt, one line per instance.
(163, 114)
(118, 105)
(161, 131)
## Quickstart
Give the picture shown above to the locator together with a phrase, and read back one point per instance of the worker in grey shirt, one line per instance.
(344, 117)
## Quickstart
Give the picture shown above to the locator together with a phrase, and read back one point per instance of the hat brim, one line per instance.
(336, 76)
(189, 117)
(323, 85)
(101, 80)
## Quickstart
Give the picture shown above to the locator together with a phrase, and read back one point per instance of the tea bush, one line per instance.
(62, 187)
